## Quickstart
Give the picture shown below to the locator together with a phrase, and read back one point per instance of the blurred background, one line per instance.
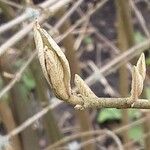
(92, 34)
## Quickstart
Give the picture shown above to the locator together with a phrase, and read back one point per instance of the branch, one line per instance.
(24, 31)
(95, 132)
(17, 76)
(19, 35)
(57, 72)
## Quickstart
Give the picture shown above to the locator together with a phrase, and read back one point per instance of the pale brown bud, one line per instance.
(141, 66)
(138, 76)
(53, 62)
(83, 88)
(137, 84)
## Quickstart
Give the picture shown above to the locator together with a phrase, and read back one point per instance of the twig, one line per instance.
(102, 79)
(95, 132)
(17, 76)
(108, 68)
(14, 22)
(67, 15)
(84, 18)
(110, 44)
(23, 32)
(99, 138)
(133, 142)
(12, 4)
(126, 56)
(27, 14)
(81, 36)
(108, 133)
(86, 99)
(28, 122)
(140, 18)
(48, 3)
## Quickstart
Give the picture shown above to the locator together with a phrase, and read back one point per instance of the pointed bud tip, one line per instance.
(77, 76)
(36, 24)
(142, 55)
(134, 68)
(141, 58)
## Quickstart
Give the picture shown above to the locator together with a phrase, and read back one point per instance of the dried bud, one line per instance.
(137, 84)
(141, 66)
(53, 62)
(138, 76)
(83, 88)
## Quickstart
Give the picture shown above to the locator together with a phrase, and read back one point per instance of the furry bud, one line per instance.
(53, 62)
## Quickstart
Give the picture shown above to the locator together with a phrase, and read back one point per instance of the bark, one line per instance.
(21, 107)
(7, 116)
(125, 41)
(7, 10)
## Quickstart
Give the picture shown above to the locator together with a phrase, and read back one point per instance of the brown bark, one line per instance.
(125, 40)
(9, 122)
(7, 116)
(21, 106)
(7, 10)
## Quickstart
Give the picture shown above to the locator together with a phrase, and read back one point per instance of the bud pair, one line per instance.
(57, 72)
(138, 76)
(56, 69)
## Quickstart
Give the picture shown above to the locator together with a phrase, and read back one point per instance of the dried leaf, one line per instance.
(83, 88)
(137, 84)
(54, 63)
(141, 66)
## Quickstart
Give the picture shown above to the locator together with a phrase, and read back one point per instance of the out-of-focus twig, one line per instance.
(16, 21)
(28, 122)
(107, 133)
(23, 32)
(103, 80)
(18, 75)
(11, 3)
(84, 18)
(67, 15)
(95, 132)
(140, 18)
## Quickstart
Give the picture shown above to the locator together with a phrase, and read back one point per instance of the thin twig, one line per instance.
(28, 122)
(11, 3)
(67, 15)
(105, 102)
(95, 132)
(133, 142)
(27, 14)
(93, 140)
(140, 18)
(108, 68)
(84, 18)
(108, 133)
(18, 75)
(102, 79)
(14, 22)
(23, 32)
